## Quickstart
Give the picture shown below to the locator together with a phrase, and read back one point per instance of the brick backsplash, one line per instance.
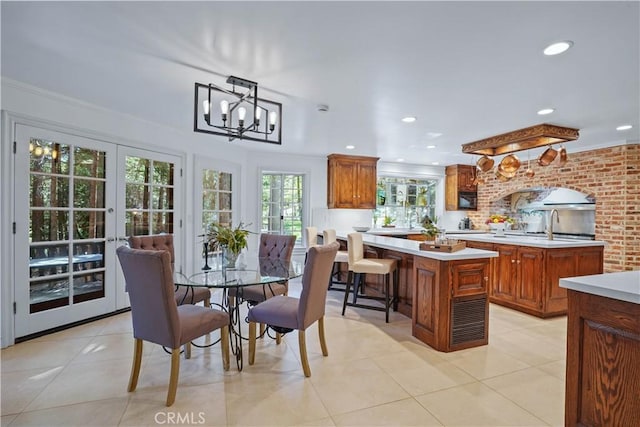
(610, 175)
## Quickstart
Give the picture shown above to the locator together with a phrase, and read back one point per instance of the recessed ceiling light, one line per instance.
(558, 48)
(431, 146)
(400, 160)
(432, 135)
(624, 127)
(409, 119)
(546, 111)
(435, 163)
(350, 147)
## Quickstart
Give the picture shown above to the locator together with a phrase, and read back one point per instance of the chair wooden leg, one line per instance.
(262, 329)
(278, 338)
(224, 343)
(173, 377)
(252, 342)
(303, 353)
(135, 367)
(187, 350)
(323, 343)
(207, 302)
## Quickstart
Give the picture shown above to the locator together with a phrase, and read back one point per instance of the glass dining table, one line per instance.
(259, 271)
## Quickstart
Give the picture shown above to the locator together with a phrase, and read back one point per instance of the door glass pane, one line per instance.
(149, 196)
(282, 208)
(48, 190)
(55, 226)
(89, 163)
(88, 193)
(47, 225)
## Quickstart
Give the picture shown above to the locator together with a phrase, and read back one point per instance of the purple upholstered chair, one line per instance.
(164, 242)
(283, 313)
(158, 319)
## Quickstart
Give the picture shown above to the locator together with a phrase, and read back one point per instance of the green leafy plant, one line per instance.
(430, 227)
(234, 239)
(388, 221)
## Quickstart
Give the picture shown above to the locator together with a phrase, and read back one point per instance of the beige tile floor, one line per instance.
(376, 374)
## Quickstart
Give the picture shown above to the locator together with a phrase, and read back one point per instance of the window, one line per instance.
(216, 198)
(403, 202)
(282, 204)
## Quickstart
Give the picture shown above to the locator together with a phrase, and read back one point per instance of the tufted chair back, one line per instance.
(276, 246)
(155, 242)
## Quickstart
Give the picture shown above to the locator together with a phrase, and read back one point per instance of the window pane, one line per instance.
(162, 173)
(162, 197)
(162, 222)
(48, 260)
(48, 156)
(225, 181)
(137, 223)
(88, 286)
(88, 225)
(89, 163)
(137, 196)
(88, 193)
(49, 191)
(209, 200)
(137, 170)
(47, 225)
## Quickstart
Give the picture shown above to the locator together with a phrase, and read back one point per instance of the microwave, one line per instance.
(467, 200)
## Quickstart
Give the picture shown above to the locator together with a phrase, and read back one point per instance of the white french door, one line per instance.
(76, 200)
(64, 215)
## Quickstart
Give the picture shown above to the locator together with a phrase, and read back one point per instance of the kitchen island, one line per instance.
(603, 349)
(525, 275)
(445, 294)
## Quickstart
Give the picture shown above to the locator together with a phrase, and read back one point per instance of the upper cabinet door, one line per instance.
(351, 182)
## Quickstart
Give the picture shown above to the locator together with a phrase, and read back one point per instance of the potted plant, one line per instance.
(230, 240)
(388, 222)
(430, 228)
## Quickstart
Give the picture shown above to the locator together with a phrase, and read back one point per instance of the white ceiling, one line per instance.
(468, 70)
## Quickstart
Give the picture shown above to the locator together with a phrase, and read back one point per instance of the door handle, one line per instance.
(123, 239)
(111, 239)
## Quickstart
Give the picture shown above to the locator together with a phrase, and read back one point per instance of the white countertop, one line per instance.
(623, 286)
(413, 247)
(522, 240)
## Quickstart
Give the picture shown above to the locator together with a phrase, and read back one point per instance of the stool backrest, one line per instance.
(355, 248)
(328, 236)
(311, 237)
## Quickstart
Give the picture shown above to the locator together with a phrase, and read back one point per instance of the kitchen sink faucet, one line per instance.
(550, 226)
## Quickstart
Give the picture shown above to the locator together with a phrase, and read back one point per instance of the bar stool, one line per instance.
(329, 236)
(310, 239)
(359, 266)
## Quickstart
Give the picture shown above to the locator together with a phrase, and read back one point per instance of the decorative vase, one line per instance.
(229, 257)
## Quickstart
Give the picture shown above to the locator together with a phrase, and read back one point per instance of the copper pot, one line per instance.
(501, 176)
(563, 156)
(484, 163)
(509, 164)
(505, 173)
(547, 157)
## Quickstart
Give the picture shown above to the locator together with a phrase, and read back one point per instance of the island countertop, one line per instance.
(622, 286)
(523, 240)
(413, 247)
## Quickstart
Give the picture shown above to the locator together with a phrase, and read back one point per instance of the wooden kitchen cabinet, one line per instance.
(459, 179)
(450, 306)
(351, 181)
(603, 356)
(527, 278)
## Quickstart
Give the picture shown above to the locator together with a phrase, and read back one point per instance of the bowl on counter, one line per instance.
(362, 229)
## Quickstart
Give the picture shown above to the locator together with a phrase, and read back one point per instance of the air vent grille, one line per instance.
(468, 320)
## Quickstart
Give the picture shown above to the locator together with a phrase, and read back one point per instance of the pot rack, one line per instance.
(522, 139)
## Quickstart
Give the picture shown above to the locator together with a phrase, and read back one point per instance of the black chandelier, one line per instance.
(241, 115)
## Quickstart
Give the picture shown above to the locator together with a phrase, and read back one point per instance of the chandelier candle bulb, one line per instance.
(242, 113)
(273, 117)
(258, 114)
(206, 106)
(224, 108)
